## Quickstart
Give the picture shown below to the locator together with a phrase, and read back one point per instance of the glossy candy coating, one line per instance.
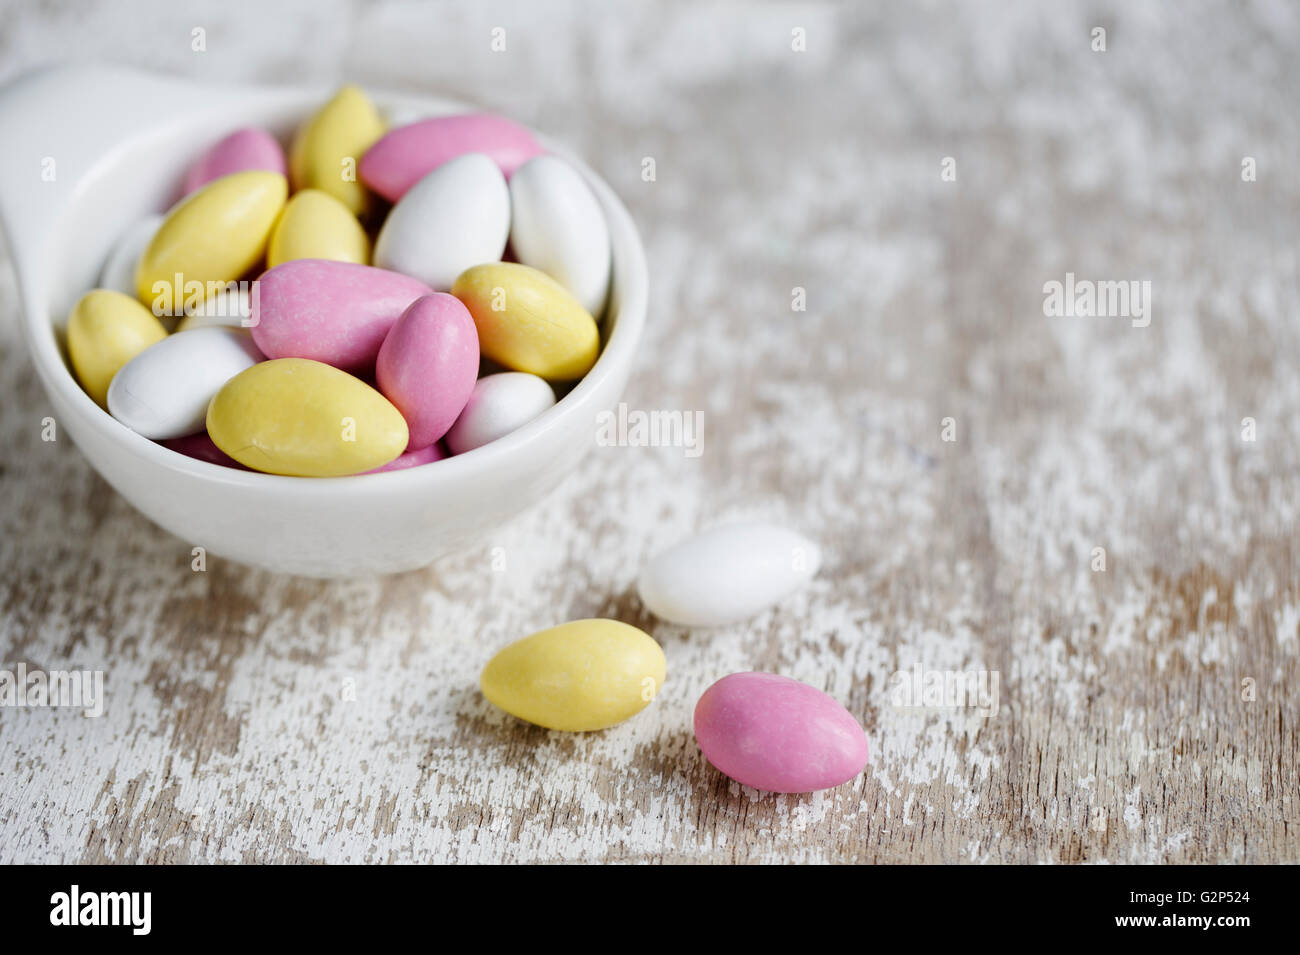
(499, 404)
(315, 225)
(579, 676)
(106, 329)
(456, 216)
(428, 364)
(727, 574)
(241, 151)
(557, 225)
(328, 148)
(407, 154)
(300, 417)
(777, 734)
(210, 239)
(164, 391)
(528, 322)
(335, 312)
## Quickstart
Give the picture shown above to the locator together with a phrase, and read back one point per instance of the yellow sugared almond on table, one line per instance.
(580, 676)
(305, 418)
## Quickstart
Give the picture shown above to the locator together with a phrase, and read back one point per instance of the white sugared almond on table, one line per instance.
(727, 574)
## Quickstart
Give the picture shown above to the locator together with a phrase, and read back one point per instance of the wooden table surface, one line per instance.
(1146, 711)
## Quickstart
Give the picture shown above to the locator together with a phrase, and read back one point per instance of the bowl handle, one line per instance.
(60, 124)
(55, 122)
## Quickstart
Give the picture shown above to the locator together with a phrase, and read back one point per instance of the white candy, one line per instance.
(164, 391)
(118, 273)
(229, 308)
(456, 216)
(556, 225)
(498, 405)
(727, 574)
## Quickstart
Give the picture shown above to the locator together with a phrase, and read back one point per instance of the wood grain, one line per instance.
(258, 718)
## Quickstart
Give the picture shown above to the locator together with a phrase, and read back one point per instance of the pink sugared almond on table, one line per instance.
(778, 735)
(362, 364)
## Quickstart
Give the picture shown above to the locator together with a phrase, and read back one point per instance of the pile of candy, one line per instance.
(347, 327)
(762, 730)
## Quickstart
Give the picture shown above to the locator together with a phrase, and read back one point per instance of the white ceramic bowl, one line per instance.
(119, 142)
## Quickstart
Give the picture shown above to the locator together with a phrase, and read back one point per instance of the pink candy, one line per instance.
(412, 459)
(777, 734)
(335, 312)
(406, 154)
(428, 364)
(201, 447)
(242, 150)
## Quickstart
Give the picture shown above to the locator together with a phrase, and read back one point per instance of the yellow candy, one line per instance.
(529, 322)
(302, 417)
(579, 676)
(315, 225)
(328, 148)
(107, 329)
(210, 239)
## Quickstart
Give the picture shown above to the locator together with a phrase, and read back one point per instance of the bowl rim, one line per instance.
(628, 288)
